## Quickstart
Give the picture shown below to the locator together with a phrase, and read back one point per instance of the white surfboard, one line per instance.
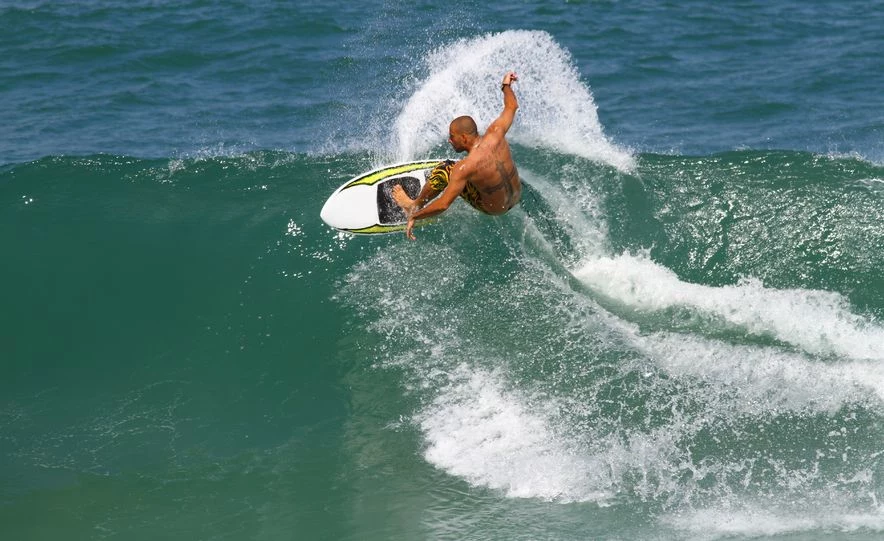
(364, 205)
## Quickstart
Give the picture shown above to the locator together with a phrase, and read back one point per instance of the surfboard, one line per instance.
(364, 204)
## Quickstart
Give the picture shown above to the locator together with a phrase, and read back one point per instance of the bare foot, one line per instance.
(401, 198)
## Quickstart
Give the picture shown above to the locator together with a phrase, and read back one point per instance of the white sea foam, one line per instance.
(557, 110)
(757, 380)
(481, 427)
(752, 522)
(492, 436)
(818, 322)
(534, 439)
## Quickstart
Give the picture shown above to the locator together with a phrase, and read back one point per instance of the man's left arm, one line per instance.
(457, 181)
(510, 105)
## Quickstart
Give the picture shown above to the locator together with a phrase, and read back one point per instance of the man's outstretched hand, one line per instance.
(409, 229)
(407, 204)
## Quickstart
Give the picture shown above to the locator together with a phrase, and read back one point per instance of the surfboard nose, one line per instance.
(327, 213)
(351, 208)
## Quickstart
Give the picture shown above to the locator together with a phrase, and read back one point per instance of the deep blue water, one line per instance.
(676, 335)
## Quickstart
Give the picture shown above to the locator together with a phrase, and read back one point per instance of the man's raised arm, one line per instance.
(510, 105)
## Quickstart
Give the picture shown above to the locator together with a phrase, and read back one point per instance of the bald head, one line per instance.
(462, 133)
(463, 125)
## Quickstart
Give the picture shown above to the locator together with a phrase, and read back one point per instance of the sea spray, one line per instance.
(556, 108)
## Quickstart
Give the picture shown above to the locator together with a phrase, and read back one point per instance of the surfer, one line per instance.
(486, 178)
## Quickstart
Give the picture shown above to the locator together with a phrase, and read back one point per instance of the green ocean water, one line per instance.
(193, 354)
(676, 335)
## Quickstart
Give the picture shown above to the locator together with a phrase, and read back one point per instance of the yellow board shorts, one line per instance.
(438, 180)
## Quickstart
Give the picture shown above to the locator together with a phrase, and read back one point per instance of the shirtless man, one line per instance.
(487, 178)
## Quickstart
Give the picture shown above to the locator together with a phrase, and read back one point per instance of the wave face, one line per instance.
(698, 341)
(649, 346)
(555, 355)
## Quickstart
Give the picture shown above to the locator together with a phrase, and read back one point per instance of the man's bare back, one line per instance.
(490, 169)
(487, 178)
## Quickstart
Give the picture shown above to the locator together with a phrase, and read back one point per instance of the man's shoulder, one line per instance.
(465, 164)
(496, 130)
